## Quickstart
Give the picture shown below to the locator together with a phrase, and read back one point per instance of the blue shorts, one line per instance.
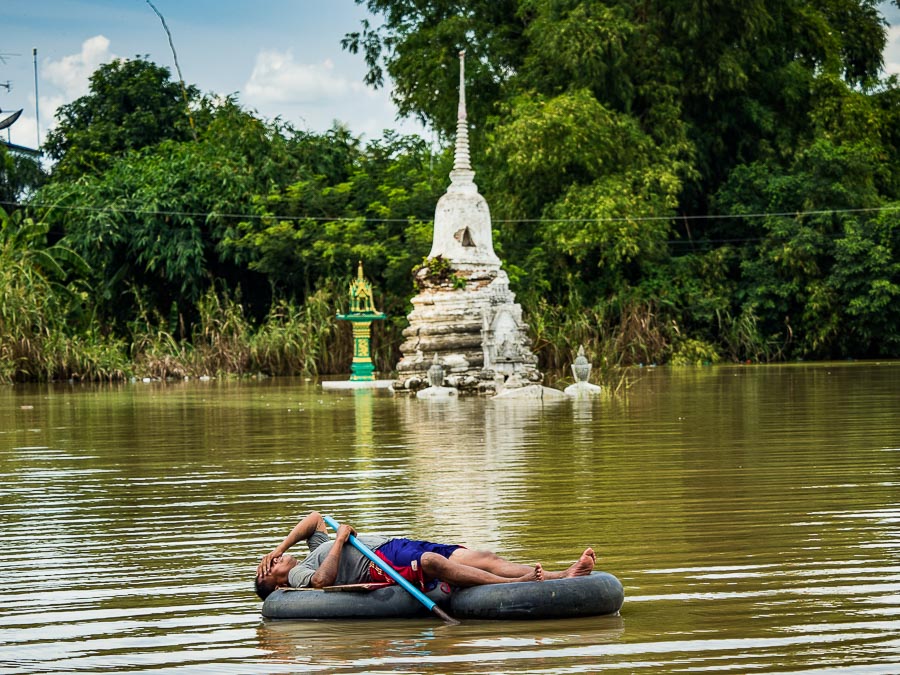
(401, 552)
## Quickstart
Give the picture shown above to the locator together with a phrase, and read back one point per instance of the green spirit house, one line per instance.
(361, 315)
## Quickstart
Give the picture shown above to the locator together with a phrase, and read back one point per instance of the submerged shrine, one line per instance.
(361, 315)
(464, 313)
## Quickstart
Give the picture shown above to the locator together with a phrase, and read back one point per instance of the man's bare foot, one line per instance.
(536, 575)
(583, 566)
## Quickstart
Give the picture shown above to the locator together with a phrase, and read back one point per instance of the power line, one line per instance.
(726, 216)
(333, 219)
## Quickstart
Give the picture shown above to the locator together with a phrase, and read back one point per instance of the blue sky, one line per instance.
(281, 57)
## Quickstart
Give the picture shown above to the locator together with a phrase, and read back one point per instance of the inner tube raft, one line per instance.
(597, 594)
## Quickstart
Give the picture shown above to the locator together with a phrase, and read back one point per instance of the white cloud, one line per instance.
(71, 73)
(61, 82)
(892, 51)
(278, 78)
(23, 132)
(318, 95)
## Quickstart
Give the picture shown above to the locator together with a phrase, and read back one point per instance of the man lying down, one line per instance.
(333, 562)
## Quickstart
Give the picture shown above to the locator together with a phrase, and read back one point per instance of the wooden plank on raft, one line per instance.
(344, 588)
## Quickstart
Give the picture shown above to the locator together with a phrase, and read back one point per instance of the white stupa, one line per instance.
(464, 312)
(462, 219)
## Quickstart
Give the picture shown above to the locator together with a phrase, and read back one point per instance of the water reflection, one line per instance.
(751, 514)
(469, 463)
(409, 646)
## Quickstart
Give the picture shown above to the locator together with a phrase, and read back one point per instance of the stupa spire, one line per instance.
(461, 161)
(462, 219)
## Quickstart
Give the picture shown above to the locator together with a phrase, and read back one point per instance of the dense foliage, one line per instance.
(611, 131)
(19, 176)
(670, 182)
(132, 104)
(240, 237)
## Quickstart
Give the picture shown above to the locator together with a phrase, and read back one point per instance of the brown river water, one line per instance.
(751, 513)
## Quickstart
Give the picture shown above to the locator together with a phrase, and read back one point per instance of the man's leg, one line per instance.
(436, 566)
(491, 562)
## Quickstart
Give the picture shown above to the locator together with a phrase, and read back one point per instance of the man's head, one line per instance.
(277, 576)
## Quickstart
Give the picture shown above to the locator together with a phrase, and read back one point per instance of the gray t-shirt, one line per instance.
(353, 568)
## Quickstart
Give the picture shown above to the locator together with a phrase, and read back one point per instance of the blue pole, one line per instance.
(393, 574)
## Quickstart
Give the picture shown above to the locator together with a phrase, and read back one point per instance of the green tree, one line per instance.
(418, 43)
(734, 76)
(348, 203)
(250, 205)
(825, 279)
(152, 224)
(19, 176)
(822, 281)
(42, 298)
(603, 121)
(604, 187)
(132, 104)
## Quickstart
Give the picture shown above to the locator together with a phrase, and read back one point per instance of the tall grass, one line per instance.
(743, 339)
(27, 305)
(47, 331)
(39, 307)
(35, 344)
(612, 340)
(292, 339)
(302, 339)
(40, 341)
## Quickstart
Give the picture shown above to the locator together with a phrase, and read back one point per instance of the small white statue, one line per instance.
(581, 370)
(436, 382)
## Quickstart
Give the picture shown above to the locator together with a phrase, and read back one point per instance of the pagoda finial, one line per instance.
(461, 156)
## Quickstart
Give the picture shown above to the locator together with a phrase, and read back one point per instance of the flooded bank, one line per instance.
(751, 513)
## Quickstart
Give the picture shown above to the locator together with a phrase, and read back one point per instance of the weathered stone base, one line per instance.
(474, 327)
(531, 392)
(582, 390)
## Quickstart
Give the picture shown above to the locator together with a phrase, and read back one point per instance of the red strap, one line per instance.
(412, 573)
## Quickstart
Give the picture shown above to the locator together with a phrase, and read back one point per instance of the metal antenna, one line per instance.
(6, 85)
(177, 67)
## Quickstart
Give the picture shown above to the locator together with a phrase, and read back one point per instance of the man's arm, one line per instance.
(328, 570)
(301, 532)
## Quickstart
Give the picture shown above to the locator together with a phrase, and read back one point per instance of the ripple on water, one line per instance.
(750, 513)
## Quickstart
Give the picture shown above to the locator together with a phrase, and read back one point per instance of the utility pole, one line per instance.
(8, 86)
(37, 116)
